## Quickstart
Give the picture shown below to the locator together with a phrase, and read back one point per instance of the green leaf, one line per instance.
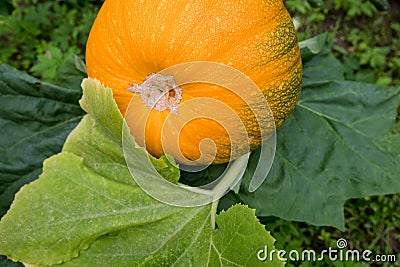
(319, 64)
(236, 227)
(167, 168)
(4, 262)
(48, 63)
(235, 243)
(381, 5)
(87, 210)
(35, 119)
(6, 7)
(337, 145)
(71, 73)
(312, 46)
(316, 3)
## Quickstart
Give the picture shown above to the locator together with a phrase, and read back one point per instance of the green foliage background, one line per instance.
(39, 36)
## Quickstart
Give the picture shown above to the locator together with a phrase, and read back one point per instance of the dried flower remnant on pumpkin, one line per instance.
(159, 92)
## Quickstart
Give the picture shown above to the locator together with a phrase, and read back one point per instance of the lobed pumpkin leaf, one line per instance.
(86, 210)
(35, 119)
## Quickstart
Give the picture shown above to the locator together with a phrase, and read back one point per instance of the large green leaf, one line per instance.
(35, 119)
(337, 145)
(87, 210)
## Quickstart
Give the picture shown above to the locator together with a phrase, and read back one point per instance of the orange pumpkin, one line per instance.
(132, 39)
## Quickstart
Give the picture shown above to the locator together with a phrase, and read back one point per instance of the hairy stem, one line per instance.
(228, 181)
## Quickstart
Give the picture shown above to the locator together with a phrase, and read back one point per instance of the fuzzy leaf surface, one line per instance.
(86, 209)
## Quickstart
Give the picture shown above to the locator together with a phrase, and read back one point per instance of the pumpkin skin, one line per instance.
(130, 39)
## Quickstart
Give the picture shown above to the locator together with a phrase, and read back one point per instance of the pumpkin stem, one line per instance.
(229, 181)
(159, 92)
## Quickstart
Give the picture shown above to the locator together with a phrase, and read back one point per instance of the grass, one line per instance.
(37, 36)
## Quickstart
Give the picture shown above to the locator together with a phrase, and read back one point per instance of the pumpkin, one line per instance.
(131, 41)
